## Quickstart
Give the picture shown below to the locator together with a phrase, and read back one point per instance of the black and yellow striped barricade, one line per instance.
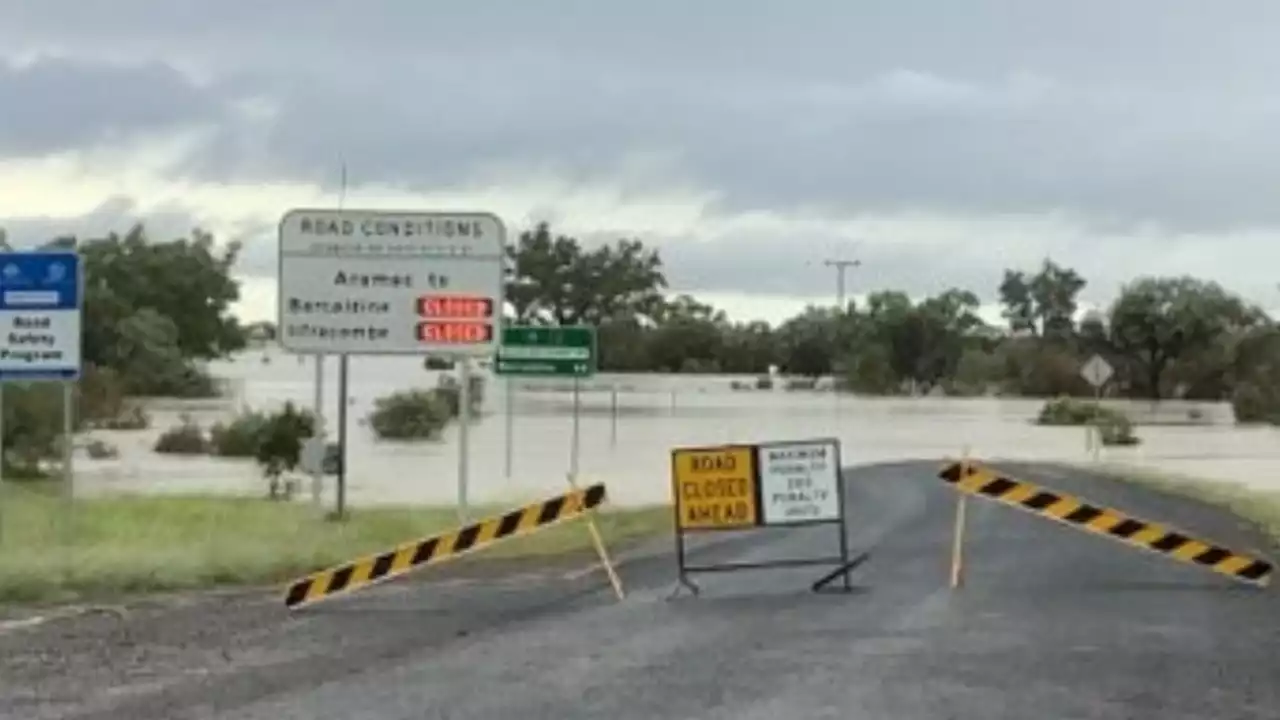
(977, 480)
(400, 560)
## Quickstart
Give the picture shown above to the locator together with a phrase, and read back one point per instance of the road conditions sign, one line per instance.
(374, 282)
(800, 482)
(40, 308)
(715, 488)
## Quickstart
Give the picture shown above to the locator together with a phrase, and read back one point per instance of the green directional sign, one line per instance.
(552, 351)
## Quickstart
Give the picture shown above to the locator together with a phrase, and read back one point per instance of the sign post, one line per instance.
(1096, 371)
(372, 282)
(550, 351)
(766, 485)
(41, 304)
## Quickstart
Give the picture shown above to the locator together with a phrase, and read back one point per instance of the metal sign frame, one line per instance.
(843, 562)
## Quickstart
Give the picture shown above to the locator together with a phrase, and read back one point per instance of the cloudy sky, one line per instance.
(936, 141)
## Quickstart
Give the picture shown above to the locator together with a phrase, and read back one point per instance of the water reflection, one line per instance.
(629, 448)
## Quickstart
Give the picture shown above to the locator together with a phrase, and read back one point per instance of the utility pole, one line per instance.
(841, 266)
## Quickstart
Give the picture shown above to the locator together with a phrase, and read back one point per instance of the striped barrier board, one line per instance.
(436, 549)
(974, 479)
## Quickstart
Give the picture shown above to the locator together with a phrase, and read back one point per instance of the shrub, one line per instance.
(279, 444)
(239, 438)
(1114, 427)
(1069, 411)
(764, 382)
(1254, 403)
(186, 438)
(412, 414)
(102, 450)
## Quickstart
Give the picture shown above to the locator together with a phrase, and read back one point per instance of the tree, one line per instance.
(1043, 304)
(807, 342)
(1157, 321)
(555, 280)
(151, 308)
(689, 337)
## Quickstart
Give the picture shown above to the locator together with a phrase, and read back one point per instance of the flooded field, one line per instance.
(628, 425)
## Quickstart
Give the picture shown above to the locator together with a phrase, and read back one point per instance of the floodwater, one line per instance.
(628, 425)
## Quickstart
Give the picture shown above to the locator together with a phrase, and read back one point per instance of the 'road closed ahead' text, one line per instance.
(716, 488)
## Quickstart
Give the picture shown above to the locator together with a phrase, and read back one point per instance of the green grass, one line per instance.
(1259, 506)
(126, 545)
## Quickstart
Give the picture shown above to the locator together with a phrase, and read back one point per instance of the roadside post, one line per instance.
(613, 415)
(551, 351)
(754, 487)
(509, 411)
(375, 282)
(41, 309)
(1096, 371)
(957, 537)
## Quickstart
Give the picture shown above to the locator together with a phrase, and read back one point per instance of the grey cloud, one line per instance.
(115, 214)
(1122, 114)
(53, 104)
(990, 107)
(118, 214)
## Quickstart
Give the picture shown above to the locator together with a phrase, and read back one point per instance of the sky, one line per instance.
(936, 142)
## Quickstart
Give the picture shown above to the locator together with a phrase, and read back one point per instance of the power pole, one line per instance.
(841, 266)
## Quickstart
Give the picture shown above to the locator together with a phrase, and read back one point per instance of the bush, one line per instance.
(280, 438)
(764, 382)
(273, 440)
(102, 450)
(239, 438)
(182, 381)
(1254, 403)
(412, 414)
(1114, 427)
(186, 438)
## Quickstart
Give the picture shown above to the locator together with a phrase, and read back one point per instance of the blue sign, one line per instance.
(40, 311)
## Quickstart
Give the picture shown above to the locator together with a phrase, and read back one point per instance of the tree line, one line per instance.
(155, 310)
(1164, 336)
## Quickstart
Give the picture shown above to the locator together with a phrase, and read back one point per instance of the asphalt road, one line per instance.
(1051, 624)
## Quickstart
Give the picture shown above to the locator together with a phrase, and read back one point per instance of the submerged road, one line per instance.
(1051, 623)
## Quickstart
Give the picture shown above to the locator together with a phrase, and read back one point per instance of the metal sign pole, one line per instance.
(464, 439)
(68, 451)
(317, 473)
(577, 424)
(510, 426)
(343, 368)
(613, 413)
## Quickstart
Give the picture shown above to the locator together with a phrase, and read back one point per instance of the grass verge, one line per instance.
(129, 545)
(1259, 506)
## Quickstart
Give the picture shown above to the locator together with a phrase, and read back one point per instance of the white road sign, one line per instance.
(368, 282)
(800, 482)
(1097, 371)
